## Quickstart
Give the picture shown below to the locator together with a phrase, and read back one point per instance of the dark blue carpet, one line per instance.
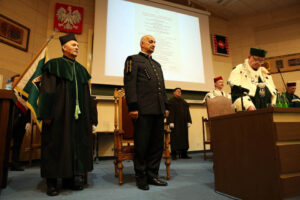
(191, 179)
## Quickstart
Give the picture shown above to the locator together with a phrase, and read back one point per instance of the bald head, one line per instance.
(148, 44)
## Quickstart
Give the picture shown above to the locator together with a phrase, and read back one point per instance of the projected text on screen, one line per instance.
(178, 42)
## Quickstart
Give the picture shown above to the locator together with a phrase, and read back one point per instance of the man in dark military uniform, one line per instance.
(146, 99)
(252, 86)
(65, 108)
(293, 99)
(179, 120)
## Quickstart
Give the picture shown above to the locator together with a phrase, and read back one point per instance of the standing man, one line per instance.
(293, 99)
(218, 91)
(252, 86)
(21, 124)
(65, 108)
(179, 120)
(146, 100)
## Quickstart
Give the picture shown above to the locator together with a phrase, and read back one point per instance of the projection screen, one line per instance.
(183, 45)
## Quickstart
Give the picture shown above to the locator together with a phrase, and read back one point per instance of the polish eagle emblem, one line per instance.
(68, 18)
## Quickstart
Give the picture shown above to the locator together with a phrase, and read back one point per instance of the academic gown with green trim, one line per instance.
(66, 142)
(291, 97)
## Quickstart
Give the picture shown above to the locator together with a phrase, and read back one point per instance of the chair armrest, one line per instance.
(118, 132)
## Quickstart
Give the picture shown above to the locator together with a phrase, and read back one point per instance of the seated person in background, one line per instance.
(219, 84)
(252, 86)
(180, 120)
(290, 95)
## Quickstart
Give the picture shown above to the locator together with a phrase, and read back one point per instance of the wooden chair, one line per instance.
(33, 144)
(166, 153)
(206, 135)
(123, 137)
(217, 106)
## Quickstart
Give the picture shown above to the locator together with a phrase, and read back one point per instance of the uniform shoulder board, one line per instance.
(129, 58)
(128, 65)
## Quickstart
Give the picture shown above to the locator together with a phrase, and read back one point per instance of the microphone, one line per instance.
(278, 68)
(242, 99)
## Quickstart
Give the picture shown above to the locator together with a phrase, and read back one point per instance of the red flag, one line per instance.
(68, 18)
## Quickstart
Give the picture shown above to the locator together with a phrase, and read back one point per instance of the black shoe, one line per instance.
(143, 186)
(71, 184)
(156, 181)
(52, 191)
(77, 187)
(185, 156)
(78, 182)
(142, 182)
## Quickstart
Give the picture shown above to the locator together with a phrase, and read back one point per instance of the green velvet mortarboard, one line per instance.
(258, 52)
(66, 38)
(177, 89)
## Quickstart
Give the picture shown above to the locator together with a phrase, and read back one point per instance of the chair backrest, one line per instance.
(122, 120)
(218, 106)
(126, 121)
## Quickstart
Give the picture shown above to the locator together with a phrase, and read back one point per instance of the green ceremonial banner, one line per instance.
(29, 84)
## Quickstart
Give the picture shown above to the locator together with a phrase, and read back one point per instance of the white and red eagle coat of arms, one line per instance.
(68, 18)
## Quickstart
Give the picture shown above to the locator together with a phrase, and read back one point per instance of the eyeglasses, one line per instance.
(259, 60)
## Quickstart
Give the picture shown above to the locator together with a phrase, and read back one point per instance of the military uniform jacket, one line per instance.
(144, 85)
(245, 77)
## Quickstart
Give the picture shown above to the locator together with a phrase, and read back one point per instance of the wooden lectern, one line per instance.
(257, 153)
(7, 99)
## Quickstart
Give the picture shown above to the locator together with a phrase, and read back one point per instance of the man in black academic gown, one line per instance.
(147, 100)
(294, 100)
(65, 108)
(179, 120)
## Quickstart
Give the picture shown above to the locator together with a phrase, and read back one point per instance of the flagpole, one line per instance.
(35, 57)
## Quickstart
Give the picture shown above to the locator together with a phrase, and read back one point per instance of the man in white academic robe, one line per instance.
(252, 86)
